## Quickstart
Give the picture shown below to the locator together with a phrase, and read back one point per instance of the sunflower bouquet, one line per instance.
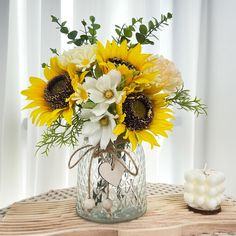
(103, 92)
(108, 94)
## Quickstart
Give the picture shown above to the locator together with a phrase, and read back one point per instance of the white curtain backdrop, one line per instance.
(200, 40)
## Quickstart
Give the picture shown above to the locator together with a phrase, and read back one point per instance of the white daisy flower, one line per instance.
(99, 128)
(83, 57)
(102, 91)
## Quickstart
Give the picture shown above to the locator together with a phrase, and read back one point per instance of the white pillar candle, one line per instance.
(204, 189)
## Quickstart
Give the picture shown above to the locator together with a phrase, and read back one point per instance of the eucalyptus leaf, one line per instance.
(64, 30)
(127, 32)
(131, 28)
(143, 29)
(84, 37)
(83, 22)
(54, 19)
(96, 26)
(140, 38)
(151, 25)
(91, 31)
(169, 15)
(78, 42)
(72, 34)
(133, 21)
(118, 31)
(63, 23)
(92, 19)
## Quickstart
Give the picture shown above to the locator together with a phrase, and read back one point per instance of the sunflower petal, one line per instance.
(49, 73)
(53, 116)
(147, 137)
(67, 114)
(133, 140)
(72, 71)
(119, 129)
(37, 82)
(34, 114)
(32, 105)
(56, 66)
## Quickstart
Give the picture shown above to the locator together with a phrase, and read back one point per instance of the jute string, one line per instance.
(97, 152)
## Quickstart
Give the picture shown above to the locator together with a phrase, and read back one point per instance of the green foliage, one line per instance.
(183, 99)
(44, 65)
(54, 50)
(89, 105)
(112, 109)
(143, 29)
(59, 134)
(89, 32)
(140, 38)
(144, 33)
(72, 35)
(122, 83)
(54, 19)
(97, 71)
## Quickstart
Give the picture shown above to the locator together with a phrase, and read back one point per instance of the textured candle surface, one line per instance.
(204, 189)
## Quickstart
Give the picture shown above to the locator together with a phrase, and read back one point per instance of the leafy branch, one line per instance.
(183, 99)
(125, 32)
(144, 33)
(54, 51)
(89, 32)
(59, 134)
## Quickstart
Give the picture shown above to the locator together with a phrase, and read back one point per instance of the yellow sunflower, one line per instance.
(131, 62)
(143, 115)
(53, 97)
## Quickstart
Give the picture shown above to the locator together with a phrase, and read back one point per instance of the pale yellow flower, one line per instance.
(168, 75)
(83, 57)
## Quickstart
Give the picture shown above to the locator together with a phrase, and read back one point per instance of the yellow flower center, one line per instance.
(109, 94)
(104, 121)
(85, 62)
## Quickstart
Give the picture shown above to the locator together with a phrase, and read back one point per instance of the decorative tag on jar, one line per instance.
(112, 173)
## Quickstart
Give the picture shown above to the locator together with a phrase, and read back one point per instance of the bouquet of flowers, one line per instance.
(108, 94)
(108, 91)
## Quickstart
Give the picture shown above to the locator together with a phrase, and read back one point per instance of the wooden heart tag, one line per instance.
(112, 176)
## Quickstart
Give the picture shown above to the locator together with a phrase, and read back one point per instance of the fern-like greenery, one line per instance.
(60, 134)
(183, 100)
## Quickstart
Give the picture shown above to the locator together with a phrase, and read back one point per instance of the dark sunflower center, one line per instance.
(57, 91)
(118, 61)
(138, 110)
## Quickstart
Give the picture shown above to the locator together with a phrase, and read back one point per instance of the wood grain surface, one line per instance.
(166, 216)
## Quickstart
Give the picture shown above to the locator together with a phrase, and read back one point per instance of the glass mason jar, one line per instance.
(120, 195)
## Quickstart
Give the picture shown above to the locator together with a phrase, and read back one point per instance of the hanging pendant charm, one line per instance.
(112, 173)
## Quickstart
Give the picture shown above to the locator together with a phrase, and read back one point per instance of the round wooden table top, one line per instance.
(53, 213)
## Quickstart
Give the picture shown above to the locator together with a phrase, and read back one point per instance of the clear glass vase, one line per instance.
(100, 200)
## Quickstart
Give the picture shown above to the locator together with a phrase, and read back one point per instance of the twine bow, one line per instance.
(98, 152)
